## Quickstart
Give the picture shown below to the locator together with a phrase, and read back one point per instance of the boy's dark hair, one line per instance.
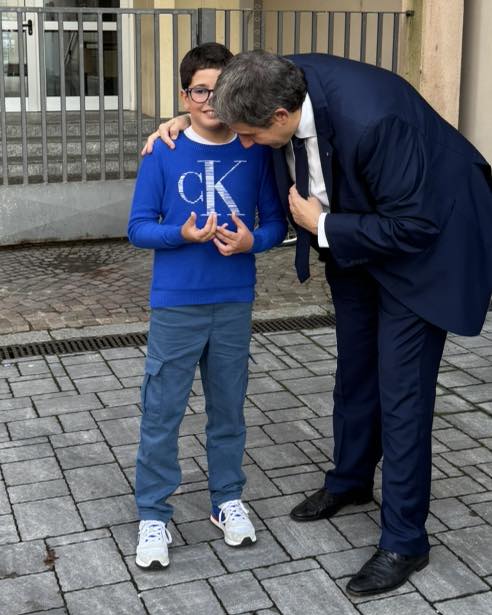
(208, 55)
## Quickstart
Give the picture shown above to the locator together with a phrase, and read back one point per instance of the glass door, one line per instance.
(20, 60)
(75, 52)
(71, 64)
(21, 49)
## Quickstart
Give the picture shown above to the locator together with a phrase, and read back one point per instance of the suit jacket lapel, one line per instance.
(326, 157)
(322, 119)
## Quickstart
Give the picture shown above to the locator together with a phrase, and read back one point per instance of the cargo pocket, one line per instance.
(150, 394)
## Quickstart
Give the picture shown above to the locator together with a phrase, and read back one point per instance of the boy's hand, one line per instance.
(230, 242)
(168, 132)
(190, 232)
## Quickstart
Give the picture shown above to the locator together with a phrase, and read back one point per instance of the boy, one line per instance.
(196, 207)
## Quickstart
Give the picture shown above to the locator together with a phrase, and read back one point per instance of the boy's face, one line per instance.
(202, 114)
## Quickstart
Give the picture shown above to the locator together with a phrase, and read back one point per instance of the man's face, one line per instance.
(278, 134)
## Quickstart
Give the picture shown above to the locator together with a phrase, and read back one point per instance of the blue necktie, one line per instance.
(302, 183)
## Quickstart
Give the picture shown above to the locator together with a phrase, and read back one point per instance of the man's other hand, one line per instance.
(305, 212)
(230, 242)
(168, 132)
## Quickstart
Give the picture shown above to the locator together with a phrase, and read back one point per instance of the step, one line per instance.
(111, 129)
(73, 147)
(73, 124)
(74, 168)
(57, 178)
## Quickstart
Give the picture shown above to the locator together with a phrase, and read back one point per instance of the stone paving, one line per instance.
(68, 437)
(69, 286)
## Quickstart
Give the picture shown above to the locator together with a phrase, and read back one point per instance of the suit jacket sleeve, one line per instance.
(393, 165)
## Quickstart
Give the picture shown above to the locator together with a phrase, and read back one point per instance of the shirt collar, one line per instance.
(306, 127)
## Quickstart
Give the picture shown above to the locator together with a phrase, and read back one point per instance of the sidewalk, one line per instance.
(68, 437)
(58, 288)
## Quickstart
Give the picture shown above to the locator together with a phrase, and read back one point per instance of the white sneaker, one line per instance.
(234, 522)
(153, 538)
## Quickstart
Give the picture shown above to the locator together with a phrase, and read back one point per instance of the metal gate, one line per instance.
(81, 88)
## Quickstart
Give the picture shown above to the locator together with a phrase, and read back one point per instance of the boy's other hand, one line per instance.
(168, 132)
(230, 242)
(191, 232)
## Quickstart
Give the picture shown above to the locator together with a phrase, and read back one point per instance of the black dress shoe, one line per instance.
(384, 572)
(324, 504)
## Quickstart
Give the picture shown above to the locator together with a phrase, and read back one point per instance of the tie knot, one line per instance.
(297, 142)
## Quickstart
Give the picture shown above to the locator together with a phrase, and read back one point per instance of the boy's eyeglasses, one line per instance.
(199, 94)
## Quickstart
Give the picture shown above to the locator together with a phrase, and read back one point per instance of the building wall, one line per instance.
(476, 79)
(64, 211)
(441, 55)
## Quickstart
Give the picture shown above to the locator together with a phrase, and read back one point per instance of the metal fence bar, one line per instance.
(100, 74)
(262, 30)
(83, 143)
(297, 31)
(176, 84)
(346, 42)
(227, 25)
(63, 101)
(314, 31)
(157, 70)
(138, 79)
(363, 37)
(42, 93)
(121, 125)
(280, 32)
(22, 76)
(244, 31)
(194, 30)
(330, 31)
(379, 40)
(3, 117)
(396, 34)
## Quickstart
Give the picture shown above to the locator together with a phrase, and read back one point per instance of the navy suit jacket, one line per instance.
(410, 197)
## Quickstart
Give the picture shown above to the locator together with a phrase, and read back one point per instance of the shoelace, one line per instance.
(155, 531)
(234, 509)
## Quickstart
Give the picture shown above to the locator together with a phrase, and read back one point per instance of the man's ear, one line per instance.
(281, 116)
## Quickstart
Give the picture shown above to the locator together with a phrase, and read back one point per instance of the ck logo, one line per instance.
(211, 187)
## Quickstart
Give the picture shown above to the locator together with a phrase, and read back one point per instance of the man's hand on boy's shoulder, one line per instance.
(191, 232)
(230, 242)
(168, 132)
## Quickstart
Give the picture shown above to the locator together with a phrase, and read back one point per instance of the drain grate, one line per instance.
(293, 324)
(83, 344)
(88, 344)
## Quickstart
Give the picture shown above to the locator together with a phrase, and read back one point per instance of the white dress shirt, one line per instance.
(307, 131)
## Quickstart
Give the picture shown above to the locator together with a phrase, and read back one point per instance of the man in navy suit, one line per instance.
(399, 207)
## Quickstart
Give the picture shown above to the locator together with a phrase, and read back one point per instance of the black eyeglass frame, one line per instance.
(189, 92)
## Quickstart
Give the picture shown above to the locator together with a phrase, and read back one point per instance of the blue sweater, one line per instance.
(203, 178)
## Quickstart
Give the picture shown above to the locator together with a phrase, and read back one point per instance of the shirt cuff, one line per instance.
(322, 238)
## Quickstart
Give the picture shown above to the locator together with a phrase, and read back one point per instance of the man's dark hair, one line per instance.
(208, 55)
(254, 84)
